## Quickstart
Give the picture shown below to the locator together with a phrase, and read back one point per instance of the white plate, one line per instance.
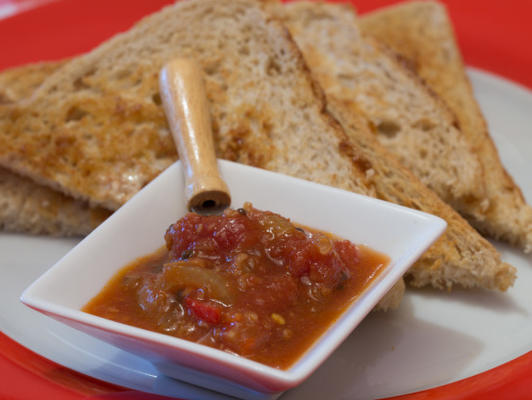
(433, 339)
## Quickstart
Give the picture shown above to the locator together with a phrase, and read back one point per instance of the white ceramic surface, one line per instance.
(433, 339)
(138, 228)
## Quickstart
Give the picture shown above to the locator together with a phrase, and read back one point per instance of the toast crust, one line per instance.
(35, 209)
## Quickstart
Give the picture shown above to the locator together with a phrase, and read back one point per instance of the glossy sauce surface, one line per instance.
(249, 282)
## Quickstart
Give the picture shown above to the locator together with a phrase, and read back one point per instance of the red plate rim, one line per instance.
(492, 36)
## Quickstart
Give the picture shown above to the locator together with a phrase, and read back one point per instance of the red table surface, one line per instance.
(493, 35)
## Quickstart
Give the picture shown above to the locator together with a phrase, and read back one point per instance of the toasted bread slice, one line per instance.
(406, 117)
(26, 206)
(423, 33)
(461, 256)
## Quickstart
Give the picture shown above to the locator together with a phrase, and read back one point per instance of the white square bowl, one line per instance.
(138, 228)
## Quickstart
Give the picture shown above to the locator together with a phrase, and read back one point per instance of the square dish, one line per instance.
(138, 228)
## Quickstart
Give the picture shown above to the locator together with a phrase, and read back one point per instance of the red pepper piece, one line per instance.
(208, 312)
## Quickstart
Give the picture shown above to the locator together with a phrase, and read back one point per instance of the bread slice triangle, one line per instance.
(423, 33)
(331, 44)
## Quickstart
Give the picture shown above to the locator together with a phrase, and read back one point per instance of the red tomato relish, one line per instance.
(248, 282)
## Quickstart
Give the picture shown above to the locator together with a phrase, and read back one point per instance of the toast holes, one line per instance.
(75, 114)
(423, 154)
(348, 80)
(363, 165)
(163, 155)
(5, 99)
(424, 124)
(122, 74)
(212, 68)
(272, 67)
(156, 98)
(80, 85)
(89, 73)
(388, 128)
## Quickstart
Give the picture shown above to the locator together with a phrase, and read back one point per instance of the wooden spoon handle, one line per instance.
(185, 103)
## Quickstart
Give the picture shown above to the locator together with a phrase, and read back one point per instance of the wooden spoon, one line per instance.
(185, 103)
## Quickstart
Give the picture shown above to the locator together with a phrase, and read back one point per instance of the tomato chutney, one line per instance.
(248, 282)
